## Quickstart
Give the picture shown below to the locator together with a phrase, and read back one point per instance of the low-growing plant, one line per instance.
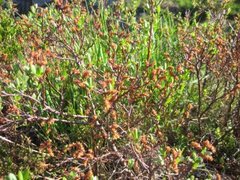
(111, 95)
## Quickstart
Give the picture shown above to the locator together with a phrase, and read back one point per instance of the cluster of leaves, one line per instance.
(109, 95)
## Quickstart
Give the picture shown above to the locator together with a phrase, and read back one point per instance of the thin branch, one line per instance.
(11, 142)
(36, 118)
(46, 107)
(143, 164)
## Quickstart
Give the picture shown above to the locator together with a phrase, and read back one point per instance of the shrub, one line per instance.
(109, 95)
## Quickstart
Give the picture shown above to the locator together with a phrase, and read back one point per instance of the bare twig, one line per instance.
(143, 164)
(46, 107)
(36, 118)
(21, 146)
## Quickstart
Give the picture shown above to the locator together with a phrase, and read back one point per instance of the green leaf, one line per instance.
(24, 175)
(72, 175)
(218, 132)
(11, 176)
(20, 175)
(33, 69)
(130, 163)
(195, 165)
(40, 71)
(136, 135)
(204, 150)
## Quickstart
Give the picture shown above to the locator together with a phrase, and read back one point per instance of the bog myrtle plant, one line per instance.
(111, 95)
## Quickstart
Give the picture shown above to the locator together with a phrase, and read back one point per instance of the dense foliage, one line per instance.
(112, 95)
